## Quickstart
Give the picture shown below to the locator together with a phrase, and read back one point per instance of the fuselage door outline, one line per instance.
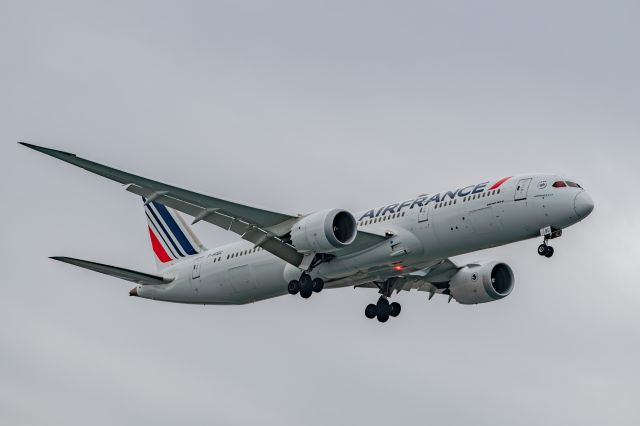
(522, 189)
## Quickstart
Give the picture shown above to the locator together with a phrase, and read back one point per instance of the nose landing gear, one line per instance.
(548, 233)
(545, 250)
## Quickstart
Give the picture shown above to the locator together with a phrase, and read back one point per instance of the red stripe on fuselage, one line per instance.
(500, 182)
(157, 248)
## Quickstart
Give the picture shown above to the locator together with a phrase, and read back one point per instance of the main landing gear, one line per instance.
(382, 310)
(305, 286)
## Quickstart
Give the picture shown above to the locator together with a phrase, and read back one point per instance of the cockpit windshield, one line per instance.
(564, 184)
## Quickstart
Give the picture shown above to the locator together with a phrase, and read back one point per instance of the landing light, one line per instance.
(398, 267)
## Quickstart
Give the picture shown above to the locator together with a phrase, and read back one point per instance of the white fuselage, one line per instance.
(423, 231)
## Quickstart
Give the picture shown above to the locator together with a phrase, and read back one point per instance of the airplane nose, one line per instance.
(583, 204)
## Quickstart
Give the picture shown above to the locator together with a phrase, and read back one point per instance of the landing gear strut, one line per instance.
(305, 286)
(548, 233)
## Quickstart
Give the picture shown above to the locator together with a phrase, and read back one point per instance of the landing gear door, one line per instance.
(522, 189)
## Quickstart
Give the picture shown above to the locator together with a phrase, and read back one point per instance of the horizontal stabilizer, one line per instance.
(141, 278)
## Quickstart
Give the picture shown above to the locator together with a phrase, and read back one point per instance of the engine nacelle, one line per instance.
(324, 231)
(482, 283)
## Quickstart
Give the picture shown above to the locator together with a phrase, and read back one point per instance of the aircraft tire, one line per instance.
(293, 287)
(395, 309)
(306, 293)
(549, 251)
(370, 311)
(383, 309)
(542, 249)
(306, 285)
(383, 318)
(318, 285)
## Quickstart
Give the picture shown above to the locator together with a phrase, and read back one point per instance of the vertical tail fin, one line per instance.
(171, 238)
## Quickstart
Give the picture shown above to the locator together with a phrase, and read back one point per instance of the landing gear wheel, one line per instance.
(318, 285)
(383, 309)
(549, 251)
(542, 249)
(395, 309)
(293, 287)
(306, 286)
(370, 311)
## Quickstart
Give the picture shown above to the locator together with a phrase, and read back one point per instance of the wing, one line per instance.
(141, 278)
(263, 228)
(433, 279)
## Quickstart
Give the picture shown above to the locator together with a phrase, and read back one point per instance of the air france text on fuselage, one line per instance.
(426, 199)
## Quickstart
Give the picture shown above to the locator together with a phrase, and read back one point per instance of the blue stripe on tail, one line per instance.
(168, 234)
(175, 228)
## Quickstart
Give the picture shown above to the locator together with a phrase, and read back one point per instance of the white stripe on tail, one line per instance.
(171, 238)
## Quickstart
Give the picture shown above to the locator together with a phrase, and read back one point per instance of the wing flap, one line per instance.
(141, 278)
(434, 278)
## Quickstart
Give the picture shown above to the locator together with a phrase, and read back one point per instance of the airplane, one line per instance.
(402, 246)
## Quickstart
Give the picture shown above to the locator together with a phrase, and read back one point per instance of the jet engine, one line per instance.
(481, 283)
(324, 231)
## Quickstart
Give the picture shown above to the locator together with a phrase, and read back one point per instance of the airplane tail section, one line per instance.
(171, 238)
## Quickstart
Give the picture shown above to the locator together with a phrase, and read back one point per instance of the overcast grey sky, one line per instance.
(296, 106)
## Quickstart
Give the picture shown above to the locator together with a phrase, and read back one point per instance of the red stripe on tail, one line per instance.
(158, 249)
(500, 182)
